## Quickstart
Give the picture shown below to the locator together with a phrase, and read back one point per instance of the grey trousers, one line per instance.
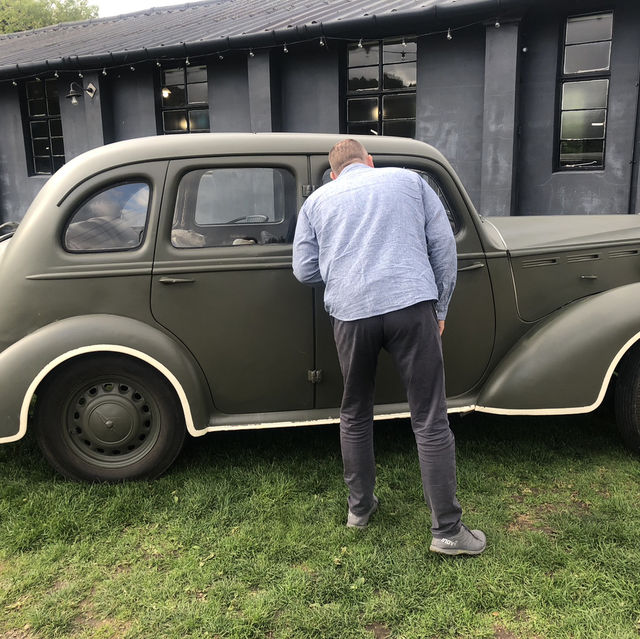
(411, 335)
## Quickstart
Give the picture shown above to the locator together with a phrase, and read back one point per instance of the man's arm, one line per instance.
(305, 251)
(441, 246)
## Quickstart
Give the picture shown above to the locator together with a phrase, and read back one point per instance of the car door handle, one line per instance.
(471, 267)
(175, 280)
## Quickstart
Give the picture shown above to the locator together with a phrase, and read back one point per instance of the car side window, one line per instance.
(431, 181)
(114, 219)
(231, 206)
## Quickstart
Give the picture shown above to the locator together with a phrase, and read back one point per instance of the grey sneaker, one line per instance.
(466, 542)
(361, 521)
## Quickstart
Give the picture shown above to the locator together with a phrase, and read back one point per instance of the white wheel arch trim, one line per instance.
(102, 348)
(188, 417)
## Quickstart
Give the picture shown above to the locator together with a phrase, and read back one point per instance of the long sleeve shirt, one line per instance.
(380, 240)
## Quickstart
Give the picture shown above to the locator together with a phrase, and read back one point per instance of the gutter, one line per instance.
(433, 15)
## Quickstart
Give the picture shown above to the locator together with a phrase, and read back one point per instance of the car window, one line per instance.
(113, 219)
(431, 181)
(234, 206)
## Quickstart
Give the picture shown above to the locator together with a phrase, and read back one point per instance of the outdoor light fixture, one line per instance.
(76, 90)
(165, 92)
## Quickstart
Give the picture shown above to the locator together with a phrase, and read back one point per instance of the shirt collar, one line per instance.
(351, 167)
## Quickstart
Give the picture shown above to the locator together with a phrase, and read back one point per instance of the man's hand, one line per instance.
(441, 326)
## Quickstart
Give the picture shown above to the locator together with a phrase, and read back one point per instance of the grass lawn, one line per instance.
(245, 537)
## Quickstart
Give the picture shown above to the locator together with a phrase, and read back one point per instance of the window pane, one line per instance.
(234, 206)
(42, 165)
(368, 54)
(394, 52)
(37, 107)
(35, 90)
(585, 95)
(401, 128)
(400, 76)
(580, 58)
(41, 147)
(197, 93)
(58, 162)
(51, 88)
(399, 106)
(363, 128)
(199, 120)
(113, 219)
(581, 153)
(175, 121)
(583, 125)
(55, 126)
(362, 109)
(53, 106)
(197, 74)
(39, 129)
(362, 78)
(174, 95)
(173, 76)
(589, 28)
(57, 146)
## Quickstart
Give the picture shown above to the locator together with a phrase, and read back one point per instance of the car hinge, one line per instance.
(308, 189)
(315, 377)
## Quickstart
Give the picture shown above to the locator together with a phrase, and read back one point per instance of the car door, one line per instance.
(470, 326)
(223, 281)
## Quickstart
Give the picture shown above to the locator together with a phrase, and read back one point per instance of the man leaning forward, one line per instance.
(380, 240)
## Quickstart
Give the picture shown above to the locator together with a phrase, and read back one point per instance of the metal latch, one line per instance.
(315, 377)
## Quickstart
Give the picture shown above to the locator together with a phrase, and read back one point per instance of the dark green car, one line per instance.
(148, 293)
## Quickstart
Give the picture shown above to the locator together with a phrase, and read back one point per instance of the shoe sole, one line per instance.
(455, 551)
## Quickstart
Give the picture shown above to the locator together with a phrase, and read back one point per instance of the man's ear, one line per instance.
(333, 175)
(369, 161)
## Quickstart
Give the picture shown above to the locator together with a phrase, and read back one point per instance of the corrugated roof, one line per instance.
(218, 25)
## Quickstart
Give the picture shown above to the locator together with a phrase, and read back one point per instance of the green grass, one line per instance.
(245, 537)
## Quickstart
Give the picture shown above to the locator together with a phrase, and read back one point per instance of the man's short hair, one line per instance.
(346, 152)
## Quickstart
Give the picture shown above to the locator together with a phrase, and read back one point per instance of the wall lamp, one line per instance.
(76, 90)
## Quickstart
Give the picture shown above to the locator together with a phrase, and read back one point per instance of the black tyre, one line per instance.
(108, 417)
(627, 399)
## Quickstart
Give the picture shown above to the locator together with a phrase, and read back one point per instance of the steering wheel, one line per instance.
(249, 219)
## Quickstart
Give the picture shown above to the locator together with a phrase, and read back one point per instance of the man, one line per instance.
(381, 242)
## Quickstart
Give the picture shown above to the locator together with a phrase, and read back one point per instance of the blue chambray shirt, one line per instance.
(380, 240)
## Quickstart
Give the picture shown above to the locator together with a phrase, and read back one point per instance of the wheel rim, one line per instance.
(112, 422)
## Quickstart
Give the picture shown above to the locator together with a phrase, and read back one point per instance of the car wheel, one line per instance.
(107, 417)
(627, 399)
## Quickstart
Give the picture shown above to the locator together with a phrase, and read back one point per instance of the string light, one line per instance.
(497, 24)
(15, 84)
(132, 68)
(221, 57)
(322, 42)
(104, 71)
(80, 75)
(360, 45)
(186, 62)
(56, 75)
(404, 44)
(158, 64)
(285, 49)
(449, 36)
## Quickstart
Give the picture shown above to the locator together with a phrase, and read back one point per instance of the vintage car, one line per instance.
(148, 293)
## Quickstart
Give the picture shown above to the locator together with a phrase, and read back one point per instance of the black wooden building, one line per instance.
(535, 102)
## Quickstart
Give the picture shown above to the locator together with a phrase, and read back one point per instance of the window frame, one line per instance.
(47, 118)
(565, 79)
(187, 107)
(379, 93)
(189, 199)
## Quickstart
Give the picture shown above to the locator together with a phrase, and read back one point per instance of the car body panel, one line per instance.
(27, 362)
(543, 310)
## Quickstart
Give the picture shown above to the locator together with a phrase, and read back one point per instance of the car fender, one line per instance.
(27, 362)
(565, 363)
